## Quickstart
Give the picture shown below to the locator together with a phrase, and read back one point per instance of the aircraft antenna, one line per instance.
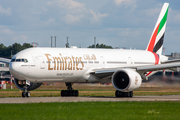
(55, 40)
(51, 40)
(94, 42)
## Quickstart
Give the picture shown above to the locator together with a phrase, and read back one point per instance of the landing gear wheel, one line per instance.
(27, 94)
(69, 91)
(62, 93)
(131, 94)
(23, 94)
(119, 94)
(76, 93)
(123, 94)
(127, 94)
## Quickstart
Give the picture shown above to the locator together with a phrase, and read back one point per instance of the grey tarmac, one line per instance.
(85, 99)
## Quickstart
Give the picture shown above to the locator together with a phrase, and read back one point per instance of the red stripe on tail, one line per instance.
(153, 39)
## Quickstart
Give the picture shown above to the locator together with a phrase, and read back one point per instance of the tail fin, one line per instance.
(156, 42)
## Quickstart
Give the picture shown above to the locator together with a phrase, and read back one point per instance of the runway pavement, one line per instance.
(83, 99)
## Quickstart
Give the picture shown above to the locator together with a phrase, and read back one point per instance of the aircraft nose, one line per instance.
(13, 68)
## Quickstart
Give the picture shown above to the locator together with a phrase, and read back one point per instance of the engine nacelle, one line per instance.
(21, 83)
(126, 80)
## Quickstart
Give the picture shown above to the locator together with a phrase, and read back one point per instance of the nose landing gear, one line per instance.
(25, 93)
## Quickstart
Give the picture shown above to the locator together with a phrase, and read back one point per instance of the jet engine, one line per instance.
(22, 83)
(126, 80)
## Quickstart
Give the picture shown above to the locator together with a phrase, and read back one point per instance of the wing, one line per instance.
(4, 60)
(7, 61)
(170, 61)
(171, 66)
(142, 70)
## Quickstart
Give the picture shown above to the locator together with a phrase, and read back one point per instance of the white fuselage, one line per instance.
(73, 64)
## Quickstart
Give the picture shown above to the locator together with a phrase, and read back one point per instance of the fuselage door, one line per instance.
(102, 62)
(39, 59)
(130, 61)
(42, 62)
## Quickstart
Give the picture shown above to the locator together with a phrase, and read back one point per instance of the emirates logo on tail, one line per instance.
(156, 42)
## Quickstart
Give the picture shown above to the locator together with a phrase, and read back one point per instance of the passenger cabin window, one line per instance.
(1, 65)
(19, 60)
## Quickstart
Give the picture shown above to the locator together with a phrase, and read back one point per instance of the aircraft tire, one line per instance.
(123, 94)
(76, 93)
(119, 93)
(62, 93)
(28, 94)
(131, 94)
(23, 94)
(69, 93)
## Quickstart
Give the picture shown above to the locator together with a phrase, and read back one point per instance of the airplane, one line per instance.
(125, 69)
(4, 69)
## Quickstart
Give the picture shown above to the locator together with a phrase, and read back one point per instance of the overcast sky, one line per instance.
(119, 23)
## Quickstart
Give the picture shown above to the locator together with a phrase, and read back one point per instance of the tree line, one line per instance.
(101, 46)
(6, 52)
(15, 48)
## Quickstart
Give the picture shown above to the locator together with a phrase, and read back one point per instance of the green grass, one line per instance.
(91, 111)
(9, 90)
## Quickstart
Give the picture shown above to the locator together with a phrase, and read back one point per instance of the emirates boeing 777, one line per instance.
(125, 69)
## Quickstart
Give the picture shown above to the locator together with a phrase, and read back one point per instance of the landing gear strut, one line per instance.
(69, 91)
(123, 94)
(25, 93)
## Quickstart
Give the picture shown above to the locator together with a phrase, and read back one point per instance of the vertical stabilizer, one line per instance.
(156, 41)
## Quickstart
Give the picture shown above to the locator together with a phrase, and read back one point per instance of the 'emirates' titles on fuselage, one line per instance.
(67, 63)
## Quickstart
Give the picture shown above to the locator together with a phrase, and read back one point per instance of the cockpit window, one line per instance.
(26, 60)
(19, 60)
(13, 60)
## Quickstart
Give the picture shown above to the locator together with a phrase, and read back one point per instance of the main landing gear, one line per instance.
(123, 94)
(69, 91)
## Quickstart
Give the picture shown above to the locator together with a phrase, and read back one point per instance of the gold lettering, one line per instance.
(76, 62)
(58, 59)
(70, 64)
(73, 62)
(62, 63)
(49, 61)
(87, 57)
(81, 63)
(67, 63)
(93, 57)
